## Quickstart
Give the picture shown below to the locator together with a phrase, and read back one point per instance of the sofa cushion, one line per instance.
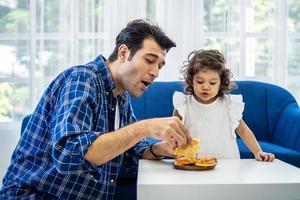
(288, 155)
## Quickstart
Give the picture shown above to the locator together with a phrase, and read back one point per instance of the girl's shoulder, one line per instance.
(235, 98)
(236, 105)
(180, 97)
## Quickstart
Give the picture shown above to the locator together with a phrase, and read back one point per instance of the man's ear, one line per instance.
(123, 52)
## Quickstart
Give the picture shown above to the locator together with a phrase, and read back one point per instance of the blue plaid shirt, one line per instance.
(48, 162)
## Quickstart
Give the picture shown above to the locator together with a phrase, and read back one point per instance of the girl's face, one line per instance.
(206, 84)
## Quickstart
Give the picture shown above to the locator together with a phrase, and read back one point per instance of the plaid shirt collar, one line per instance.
(110, 85)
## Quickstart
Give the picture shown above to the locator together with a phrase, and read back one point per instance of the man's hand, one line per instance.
(108, 146)
(169, 129)
(160, 150)
(164, 149)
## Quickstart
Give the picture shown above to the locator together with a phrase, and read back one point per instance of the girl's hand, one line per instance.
(264, 156)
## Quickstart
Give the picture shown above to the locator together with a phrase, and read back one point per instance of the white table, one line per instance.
(231, 179)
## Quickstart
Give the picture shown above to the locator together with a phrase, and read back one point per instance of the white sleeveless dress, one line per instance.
(214, 124)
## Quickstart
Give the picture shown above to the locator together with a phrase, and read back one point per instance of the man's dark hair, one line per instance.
(134, 34)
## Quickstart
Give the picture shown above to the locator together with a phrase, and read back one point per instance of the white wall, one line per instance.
(8, 141)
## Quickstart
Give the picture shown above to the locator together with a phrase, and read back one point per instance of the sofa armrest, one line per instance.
(287, 132)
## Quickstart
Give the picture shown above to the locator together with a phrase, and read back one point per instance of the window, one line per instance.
(260, 39)
(40, 38)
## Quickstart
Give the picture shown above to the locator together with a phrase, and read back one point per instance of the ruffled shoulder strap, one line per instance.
(179, 102)
(236, 108)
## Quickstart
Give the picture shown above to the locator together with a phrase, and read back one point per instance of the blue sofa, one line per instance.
(271, 112)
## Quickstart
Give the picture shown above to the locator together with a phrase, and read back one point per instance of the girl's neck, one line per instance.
(205, 102)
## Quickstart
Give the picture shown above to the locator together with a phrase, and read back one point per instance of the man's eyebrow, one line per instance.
(152, 54)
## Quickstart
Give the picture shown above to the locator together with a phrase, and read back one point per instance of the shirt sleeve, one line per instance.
(179, 103)
(132, 155)
(236, 109)
(73, 124)
(140, 147)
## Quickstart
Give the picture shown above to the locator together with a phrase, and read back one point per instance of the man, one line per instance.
(74, 143)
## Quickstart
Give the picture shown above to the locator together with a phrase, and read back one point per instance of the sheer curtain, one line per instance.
(40, 38)
(259, 38)
(182, 21)
(231, 26)
(116, 14)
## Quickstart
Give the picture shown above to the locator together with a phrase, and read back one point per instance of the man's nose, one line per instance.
(154, 71)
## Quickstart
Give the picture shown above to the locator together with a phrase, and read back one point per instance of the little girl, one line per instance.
(211, 115)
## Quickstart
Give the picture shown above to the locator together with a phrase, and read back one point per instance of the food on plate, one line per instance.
(189, 150)
(185, 161)
(199, 164)
(206, 161)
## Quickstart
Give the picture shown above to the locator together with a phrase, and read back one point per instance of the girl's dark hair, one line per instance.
(134, 34)
(207, 59)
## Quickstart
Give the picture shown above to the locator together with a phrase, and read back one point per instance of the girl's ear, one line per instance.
(123, 53)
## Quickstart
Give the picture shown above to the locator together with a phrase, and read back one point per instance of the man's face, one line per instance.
(137, 74)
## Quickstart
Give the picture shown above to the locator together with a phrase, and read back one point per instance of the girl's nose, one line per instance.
(205, 87)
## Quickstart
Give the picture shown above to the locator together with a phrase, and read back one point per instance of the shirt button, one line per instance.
(112, 180)
(113, 109)
(106, 93)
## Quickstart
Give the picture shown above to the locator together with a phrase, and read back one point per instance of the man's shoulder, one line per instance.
(93, 68)
(88, 71)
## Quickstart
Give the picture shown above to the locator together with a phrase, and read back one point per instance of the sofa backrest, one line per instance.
(156, 101)
(264, 103)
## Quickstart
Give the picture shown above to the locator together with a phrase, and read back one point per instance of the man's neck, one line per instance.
(112, 67)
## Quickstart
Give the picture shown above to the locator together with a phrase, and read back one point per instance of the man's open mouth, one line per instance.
(146, 83)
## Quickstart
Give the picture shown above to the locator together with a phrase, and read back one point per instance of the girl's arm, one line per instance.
(176, 113)
(249, 139)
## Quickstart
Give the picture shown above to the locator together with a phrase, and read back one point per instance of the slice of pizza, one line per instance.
(189, 150)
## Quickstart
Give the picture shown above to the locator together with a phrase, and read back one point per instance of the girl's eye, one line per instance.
(199, 82)
(213, 83)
